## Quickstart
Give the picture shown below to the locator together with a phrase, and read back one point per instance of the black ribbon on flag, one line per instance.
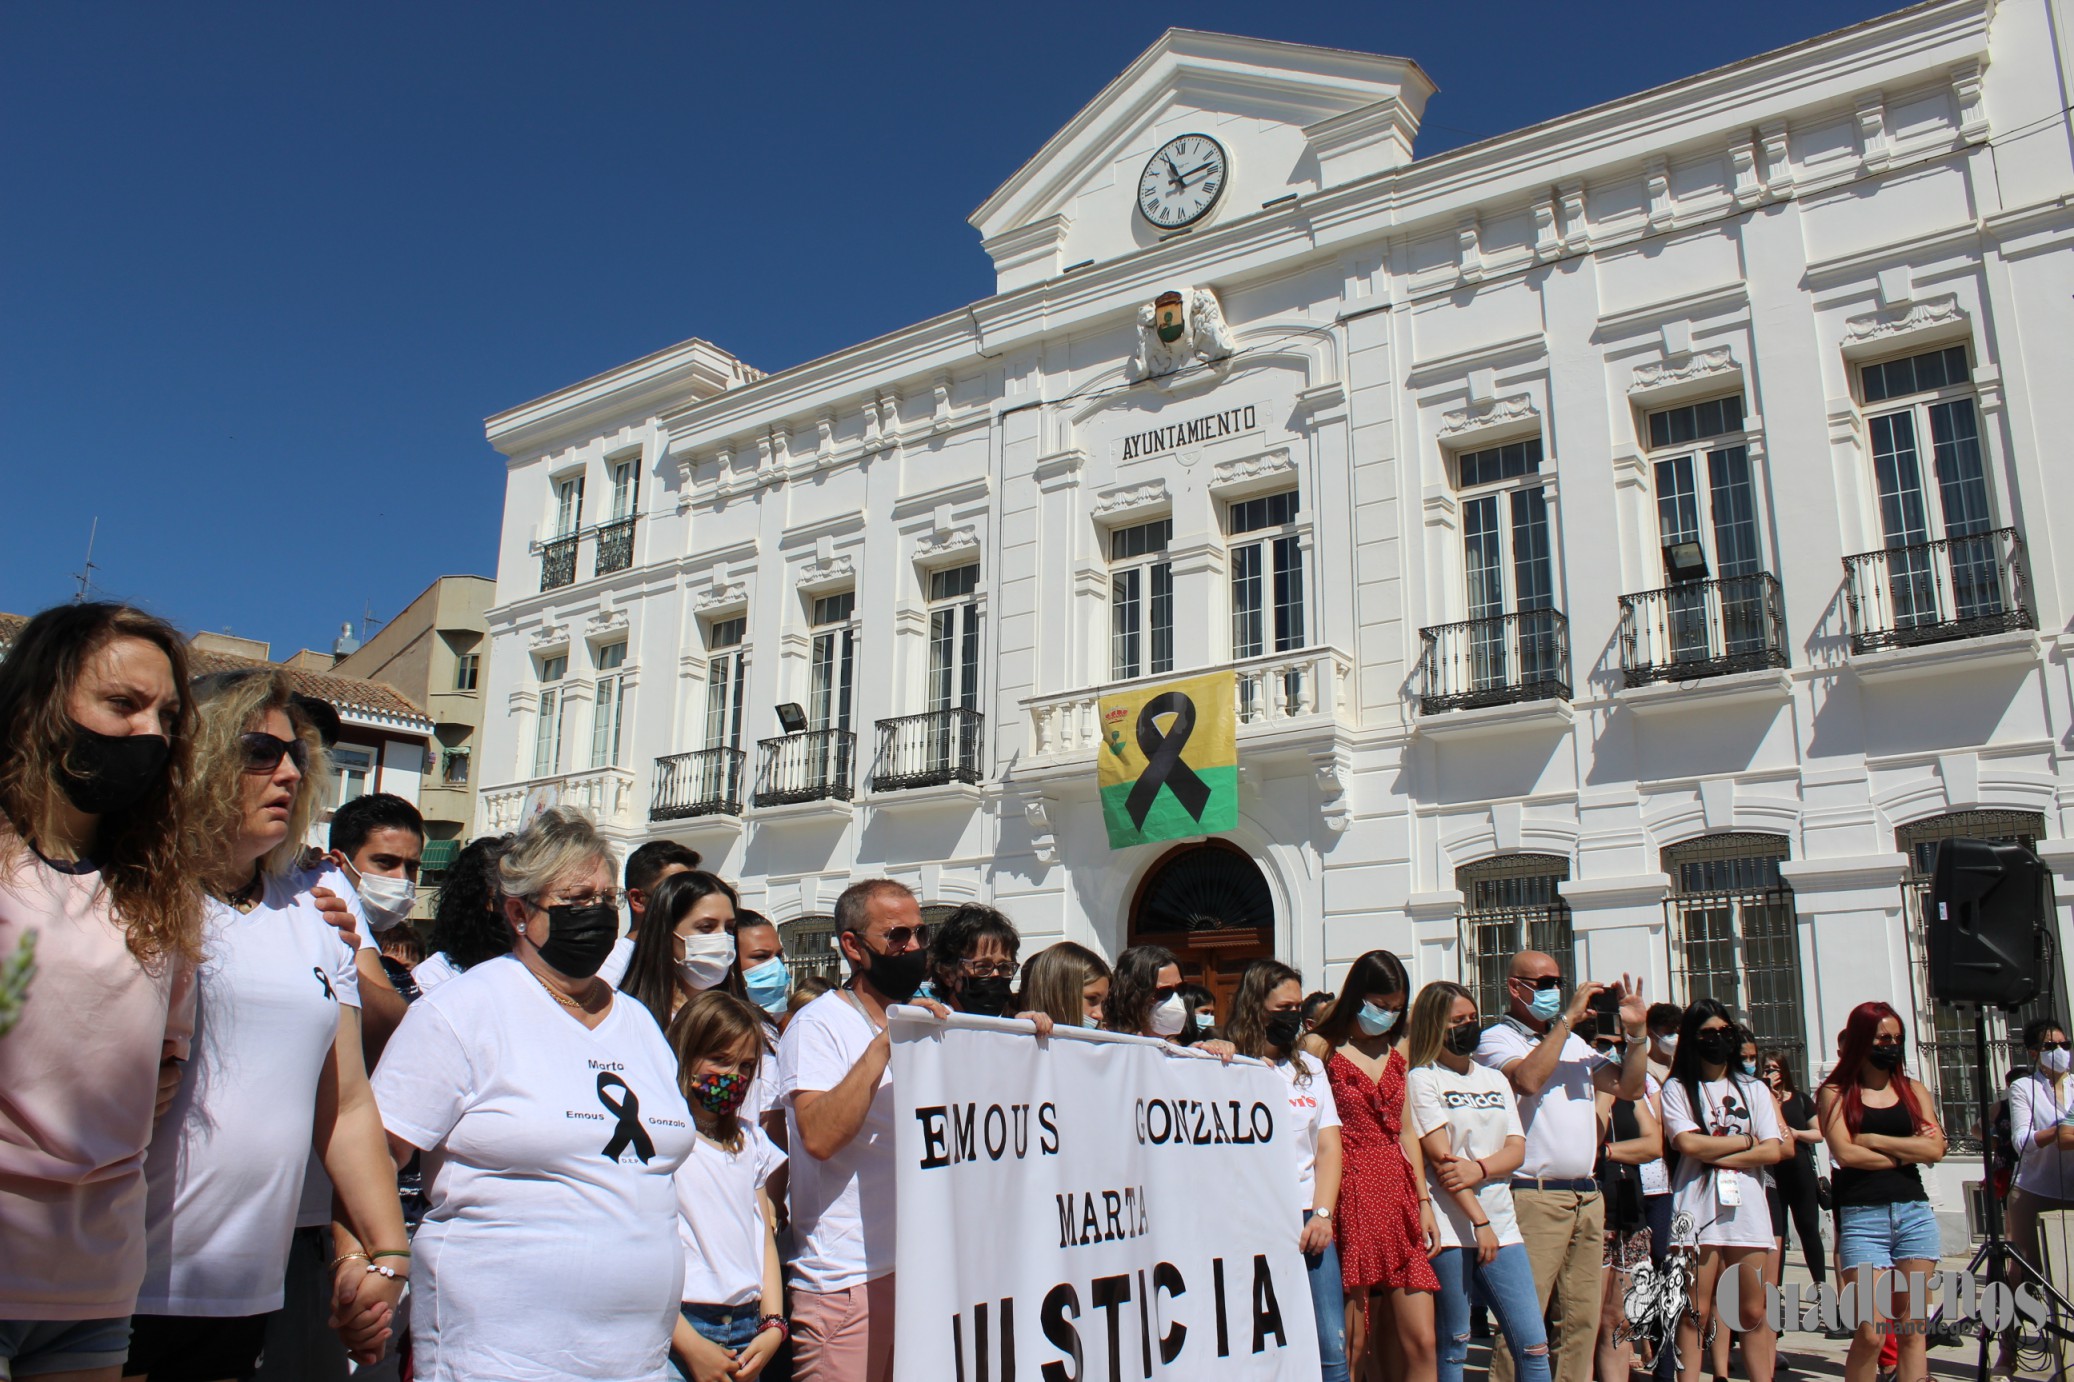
(1163, 765)
(628, 1132)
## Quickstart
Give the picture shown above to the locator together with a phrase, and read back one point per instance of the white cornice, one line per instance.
(666, 376)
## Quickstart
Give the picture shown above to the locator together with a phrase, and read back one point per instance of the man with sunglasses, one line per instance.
(836, 1087)
(1557, 1079)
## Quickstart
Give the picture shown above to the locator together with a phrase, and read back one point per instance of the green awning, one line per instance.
(439, 854)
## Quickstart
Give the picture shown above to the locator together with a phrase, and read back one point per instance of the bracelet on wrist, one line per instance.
(343, 1258)
(390, 1273)
(388, 1252)
(777, 1322)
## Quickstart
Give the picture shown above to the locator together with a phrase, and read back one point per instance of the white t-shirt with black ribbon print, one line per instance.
(549, 1247)
(1730, 1107)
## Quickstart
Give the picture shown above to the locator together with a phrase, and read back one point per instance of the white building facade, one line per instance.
(1632, 535)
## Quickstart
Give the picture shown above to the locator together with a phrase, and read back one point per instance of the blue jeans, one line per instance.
(1507, 1286)
(1329, 1303)
(730, 1326)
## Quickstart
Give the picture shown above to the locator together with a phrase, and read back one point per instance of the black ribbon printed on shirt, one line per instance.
(628, 1132)
(1163, 765)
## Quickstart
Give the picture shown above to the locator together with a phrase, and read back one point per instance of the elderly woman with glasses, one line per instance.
(550, 1116)
(276, 1064)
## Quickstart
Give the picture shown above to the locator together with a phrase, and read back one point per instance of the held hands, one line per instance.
(709, 1362)
(333, 908)
(1458, 1174)
(1316, 1238)
(363, 1308)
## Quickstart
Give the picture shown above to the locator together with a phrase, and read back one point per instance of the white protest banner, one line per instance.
(1092, 1208)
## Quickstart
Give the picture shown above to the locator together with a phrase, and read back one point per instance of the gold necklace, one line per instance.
(564, 999)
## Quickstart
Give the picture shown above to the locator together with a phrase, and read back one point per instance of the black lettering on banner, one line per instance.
(1263, 1123)
(1106, 1293)
(1047, 1120)
(1217, 1125)
(996, 1126)
(1167, 1277)
(1145, 1322)
(982, 1356)
(958, 1342)
(1267, 1312)
(1061, 1309)
(935, 1142)
(1112, 1210)
(1019, 1116)
(1217, 1286)
(961, 1135)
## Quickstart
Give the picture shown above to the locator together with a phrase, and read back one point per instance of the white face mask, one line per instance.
(387, 901)
(708, 955)
(1667, 1046)
(1170, 1017)
(2055, 1062)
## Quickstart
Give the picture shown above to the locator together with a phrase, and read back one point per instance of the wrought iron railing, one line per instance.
(615, 546)
(1495, 661)
(1703, 629)
(928, 750)
(705, 783)
(813, 765)
(1931, 592)
(558, 563)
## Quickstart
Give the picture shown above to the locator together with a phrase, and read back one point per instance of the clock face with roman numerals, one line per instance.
(1183, 181)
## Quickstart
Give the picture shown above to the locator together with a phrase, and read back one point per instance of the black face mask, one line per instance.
(1888, 1057)
(579, 938)
(1715, 1046)
(108, 772)
(1283, 1029)
(988, 997)
(1463, 1040)
(897, 976)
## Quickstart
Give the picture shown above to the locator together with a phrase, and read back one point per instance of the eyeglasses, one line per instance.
(263, 752)
(609, 898)
(900, 937)
(1546, 981)
(989, 969)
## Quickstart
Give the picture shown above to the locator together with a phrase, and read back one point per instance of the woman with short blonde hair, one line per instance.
(1068, 983)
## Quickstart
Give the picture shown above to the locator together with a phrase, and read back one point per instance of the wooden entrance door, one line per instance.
(1211, 906)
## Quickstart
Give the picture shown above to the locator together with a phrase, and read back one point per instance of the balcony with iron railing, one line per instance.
(1305, 694)
(1501, 660)
(1700, 629)
(929, 750)
(615, 546)
(1935, 592)
(558, 562)
(813, 765)
(707, 782)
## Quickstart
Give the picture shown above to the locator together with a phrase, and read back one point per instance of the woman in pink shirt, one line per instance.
(95, 732)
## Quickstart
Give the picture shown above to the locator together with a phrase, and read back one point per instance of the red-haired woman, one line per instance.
(1882, 1130)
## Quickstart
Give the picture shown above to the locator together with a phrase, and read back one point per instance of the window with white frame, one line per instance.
(467, 667)
(1942, 565)
(1141, 600)
(833, 660)
(626, 488)
(568, 505)
(547, 730)
(608, 721)
(727, 677)
(1707, 529)
(352, 773)
(1508, 573)
(1267, 612)
(954, 638)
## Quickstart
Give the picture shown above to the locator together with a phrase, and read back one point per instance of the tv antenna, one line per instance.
(86, 573)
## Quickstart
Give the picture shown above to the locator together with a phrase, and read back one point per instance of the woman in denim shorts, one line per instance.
(1881, 1127)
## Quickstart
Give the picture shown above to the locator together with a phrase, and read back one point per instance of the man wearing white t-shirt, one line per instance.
(1557, 1078)
(837, 1092)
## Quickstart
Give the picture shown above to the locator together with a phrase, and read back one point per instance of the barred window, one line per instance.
(1509, 904)
(1735, 937)
(810, 947)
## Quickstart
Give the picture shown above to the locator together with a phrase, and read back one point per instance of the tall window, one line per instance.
(467, 666)
(954, 639)
(1734, 935)
(568, 506)
(1706, 497)
(353, 773)
(626, 488)
(1266, 576)
(607, 724)
(1505, 561)
(1141, 600)
(547, 734)
(727, 675)
(1510, 904)
(1912, 401)
(1944, 1035)
(834, 660)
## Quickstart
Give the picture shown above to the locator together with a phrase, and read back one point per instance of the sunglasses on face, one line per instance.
(900, 937)
(1546, 981)
(262, 752)
(2060, 1045)
(1161, 995)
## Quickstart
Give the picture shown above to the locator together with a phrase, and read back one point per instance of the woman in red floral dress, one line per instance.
(1385, 1217)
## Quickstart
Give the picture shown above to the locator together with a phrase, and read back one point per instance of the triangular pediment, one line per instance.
(1292, 119)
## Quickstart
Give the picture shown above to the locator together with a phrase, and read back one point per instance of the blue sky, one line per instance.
(265, 268)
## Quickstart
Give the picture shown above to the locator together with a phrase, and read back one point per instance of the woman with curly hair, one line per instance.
(277, 1063)
(96, 738)
(468, 922)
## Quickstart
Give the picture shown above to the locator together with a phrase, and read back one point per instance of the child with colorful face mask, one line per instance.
(732, 1321)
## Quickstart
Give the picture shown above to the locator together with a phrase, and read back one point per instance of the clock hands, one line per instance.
(1204, 168)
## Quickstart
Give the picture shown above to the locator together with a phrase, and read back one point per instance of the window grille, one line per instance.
(1511, 904)
(1735, 936)
(810, 948)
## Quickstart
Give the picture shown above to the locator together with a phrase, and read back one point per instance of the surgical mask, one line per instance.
(1749, 1067)
(101, 773)
(708, 955)
(2055, 1062)
(1463, 1040)
(769, 984)
(1375, 1021)
(1283, 1029)
(896, 976)
(1667, 1046)
(1093, 1024)
(1888, 1057)
(1547, 1003)
(387, 901)
(1715, 1046)
(1169, 1016)
(988, 997)
(722, 1093)
(579, 938)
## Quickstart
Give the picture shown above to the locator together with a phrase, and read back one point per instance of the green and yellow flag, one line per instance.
(1168, 766)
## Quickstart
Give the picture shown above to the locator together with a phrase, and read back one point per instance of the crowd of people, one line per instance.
(252, 1123)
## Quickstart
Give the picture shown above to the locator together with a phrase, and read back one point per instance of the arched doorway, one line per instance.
(1209, 904)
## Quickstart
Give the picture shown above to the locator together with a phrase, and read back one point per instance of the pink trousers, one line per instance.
(844, 1336)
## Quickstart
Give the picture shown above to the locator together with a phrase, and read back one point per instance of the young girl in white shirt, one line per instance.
(732, 1322)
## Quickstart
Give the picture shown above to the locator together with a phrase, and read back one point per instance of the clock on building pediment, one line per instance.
(1201, 130)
